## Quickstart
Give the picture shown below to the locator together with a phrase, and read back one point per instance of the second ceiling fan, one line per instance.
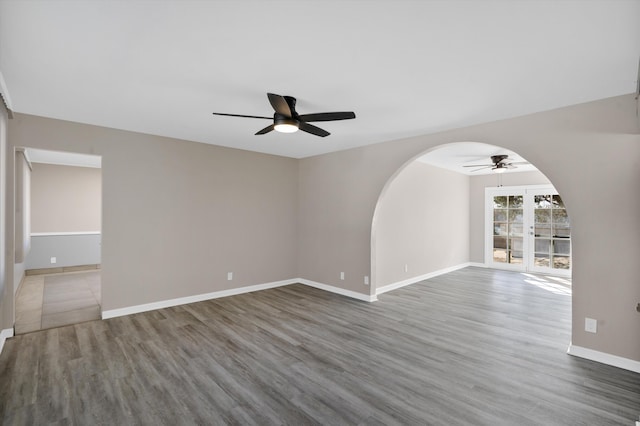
(499, 165)
(287, 120)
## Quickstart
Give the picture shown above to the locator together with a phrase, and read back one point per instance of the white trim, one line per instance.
(604, 358)
(25, 154)
(5, 92)
(4, 335)
(112, 313)
(478, 265)
(338, 290)
(419, 278)
(62, 234)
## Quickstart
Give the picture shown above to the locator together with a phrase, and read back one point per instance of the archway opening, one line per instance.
(437, 215)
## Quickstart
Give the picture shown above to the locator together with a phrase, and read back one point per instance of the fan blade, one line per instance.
(239, 115)
(310, 128)
(480, 165)
(265, 130)
(482, 168)
(328, 116)
(279, 104)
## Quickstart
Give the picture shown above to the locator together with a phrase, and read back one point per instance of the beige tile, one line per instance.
(70, 317)
(28, 327)
(28, 316)
(46, 301)
(58, 306)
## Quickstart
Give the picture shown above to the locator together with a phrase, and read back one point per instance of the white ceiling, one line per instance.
(459, 157)
(405, 67)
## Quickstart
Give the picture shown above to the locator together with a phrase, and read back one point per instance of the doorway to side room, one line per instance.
(61, 241)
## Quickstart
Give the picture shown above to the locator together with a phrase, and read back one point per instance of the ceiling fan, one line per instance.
(499, 165)
(287, 120)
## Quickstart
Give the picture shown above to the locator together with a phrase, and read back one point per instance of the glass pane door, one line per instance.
(545, 247)
(551, 232)
(507, 229)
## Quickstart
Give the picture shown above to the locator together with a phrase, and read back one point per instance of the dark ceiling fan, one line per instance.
(287, 120)
(499, 165)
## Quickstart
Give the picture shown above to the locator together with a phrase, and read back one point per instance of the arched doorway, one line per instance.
(436, 215)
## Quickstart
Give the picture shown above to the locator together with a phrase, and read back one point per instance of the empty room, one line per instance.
(333, 213)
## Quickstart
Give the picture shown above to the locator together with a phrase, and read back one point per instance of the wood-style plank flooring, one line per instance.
(473, 347)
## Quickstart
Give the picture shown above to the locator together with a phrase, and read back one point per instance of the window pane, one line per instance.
(542, 215)
(541, 260)
(499, 242)
(499, 215)
(499, 229)
(542, 201)
(561, 262)
(515, 229)
(561, 231)
(560, 216)
(557, 202)
(516, 244)
(562, 247)
(499, 255)
(515, 257)
(515, 215)
(500, 202)
(515, 201)
(542, 230)
(542, 246)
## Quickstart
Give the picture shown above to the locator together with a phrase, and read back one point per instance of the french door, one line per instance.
(527, 229)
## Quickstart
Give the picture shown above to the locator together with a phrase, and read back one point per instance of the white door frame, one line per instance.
(527, 222)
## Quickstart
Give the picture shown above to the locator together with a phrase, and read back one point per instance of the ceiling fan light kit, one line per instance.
(284, 124)
(287, 120)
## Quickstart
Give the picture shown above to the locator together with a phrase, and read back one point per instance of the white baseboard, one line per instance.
(419, 278)
(4, 335)
(604, 358)
(112, 313)
(338, 290)
(477, 264)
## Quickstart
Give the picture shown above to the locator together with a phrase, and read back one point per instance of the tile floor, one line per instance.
(47, 301)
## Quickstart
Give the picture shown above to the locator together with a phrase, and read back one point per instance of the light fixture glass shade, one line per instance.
(499, 169)
(285, 128)
(285, 124)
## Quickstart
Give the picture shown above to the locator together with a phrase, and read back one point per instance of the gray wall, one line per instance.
(476, 204)
(590, 152)
(69, 250)
(421, 221)
(178, 215)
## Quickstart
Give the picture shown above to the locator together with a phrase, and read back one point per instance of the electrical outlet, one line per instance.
(229, 276)
(591, 325)
(406, 267)
(53, 260)
(366, 280)
(342, 275)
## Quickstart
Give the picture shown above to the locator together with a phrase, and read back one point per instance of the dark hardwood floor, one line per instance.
(473, 347)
